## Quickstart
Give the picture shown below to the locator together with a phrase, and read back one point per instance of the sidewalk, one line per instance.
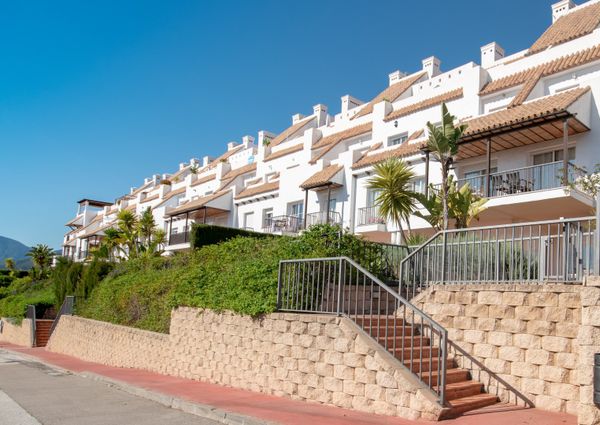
(255, 408)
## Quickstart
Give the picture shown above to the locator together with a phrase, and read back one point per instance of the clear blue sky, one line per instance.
(97, 95)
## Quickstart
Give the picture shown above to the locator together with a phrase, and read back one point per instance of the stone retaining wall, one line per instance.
(314, 358)
(16, 334)
(538, 338)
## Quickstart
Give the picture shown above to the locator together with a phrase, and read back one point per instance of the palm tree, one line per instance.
(146, 226)
(41, 255)
(465, 205)
(443, 145)
(10, 265)
(432, 203)
(396, 200)
(127, 225)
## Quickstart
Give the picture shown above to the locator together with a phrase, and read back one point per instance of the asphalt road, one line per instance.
(34, 394)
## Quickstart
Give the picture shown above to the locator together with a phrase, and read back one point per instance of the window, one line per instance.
(552, 156)
(372, 195)
(332, 204)
(397, 139)
(267, 216)
(249, 220)
(296, 209)
(418, 185)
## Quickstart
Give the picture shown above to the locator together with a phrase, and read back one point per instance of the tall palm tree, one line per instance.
(127, 224)
(443, 145)
(146, 226)
(10, 265)
(41, 256)
(395, 199)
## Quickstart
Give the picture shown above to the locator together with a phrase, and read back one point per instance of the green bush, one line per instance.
(239, 274)
(207, 234)
(22, 292)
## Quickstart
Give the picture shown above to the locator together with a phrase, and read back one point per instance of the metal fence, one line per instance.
(341, 286)
(369, 215)
(555, 250)
(283, 224)
(381, 259)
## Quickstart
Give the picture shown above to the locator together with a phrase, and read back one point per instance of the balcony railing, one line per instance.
(521, 180)
(323, 217)
(179, 238)
(283, 224)
(369, 215)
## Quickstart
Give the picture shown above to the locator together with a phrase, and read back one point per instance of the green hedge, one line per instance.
(207, 234)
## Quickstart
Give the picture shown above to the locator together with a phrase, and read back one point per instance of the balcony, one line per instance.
(323, 217)
(179, 238)
(282, 224)
(520, 180)
(369, 215)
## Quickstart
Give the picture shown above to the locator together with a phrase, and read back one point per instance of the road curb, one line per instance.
(177, 403)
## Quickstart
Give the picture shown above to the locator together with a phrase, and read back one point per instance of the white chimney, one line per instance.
(350, 102)
(396, 76)
(296, 118)
(490, 54)
(431, 65)
(231, 145)
(194, 162)
(561, 8)
(207, 160)
(182, 165)
(147, 180)
(320, 112)
(248, 141)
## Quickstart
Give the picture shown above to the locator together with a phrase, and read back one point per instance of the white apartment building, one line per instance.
(532, 121)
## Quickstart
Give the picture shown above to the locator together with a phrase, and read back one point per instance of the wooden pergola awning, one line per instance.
(528, 123)
(206, 206)
(328, 177)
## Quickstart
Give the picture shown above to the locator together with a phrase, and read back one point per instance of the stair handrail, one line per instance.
(332, 286)
(66, 308)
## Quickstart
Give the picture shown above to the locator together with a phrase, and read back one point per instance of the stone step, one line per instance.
(404, 342)
(462, 389)
(389, 331)
(417, 352)
(465, 404)
(427, 365)
(452, 375)
(378, 320)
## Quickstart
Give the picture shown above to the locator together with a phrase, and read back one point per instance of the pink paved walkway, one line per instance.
(277, 409)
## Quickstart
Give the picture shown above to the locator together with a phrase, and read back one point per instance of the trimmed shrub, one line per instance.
(207, 234)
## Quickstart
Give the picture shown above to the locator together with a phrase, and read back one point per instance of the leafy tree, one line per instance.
(41, 255)
(396, 200)
(10, 265)
(443, 146)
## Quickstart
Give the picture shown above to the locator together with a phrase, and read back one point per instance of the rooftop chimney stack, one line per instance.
(206, 160)
(296, 118)
(248, 141)
(320, 112)
(431, 65)
(490, 54)
(396, 76)
(182, 165)
(194, 162)
(561, 8)
(231, 145)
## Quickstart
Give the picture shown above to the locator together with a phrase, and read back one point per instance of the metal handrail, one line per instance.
(341, 286)
(541, 251)
(65, 309)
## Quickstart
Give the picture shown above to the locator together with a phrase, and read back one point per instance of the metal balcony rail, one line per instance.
(521, 180)
(179, 238)
(323, 217)
(66, 308)
(543, 251)
(369, 215)
(283, 224)
(340, 286)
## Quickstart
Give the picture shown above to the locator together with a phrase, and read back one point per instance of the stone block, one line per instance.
(385, 380)
(511, 353)
(564, 391)
(499, 338)
(341, 371)
(342, 399)
(526, 312)
(444, 297)
(486, 324)
(555, 314)
(533, 385)
(501, 312)
(537, 356)
(354, 388)
(554, 374)
(324, 369)
(527, 341)
(542, 299)
(354, 360)
(462, 322)
(524, 370)
(513, 298)
(485, 350)
(546, 402)
(540, 327)
(514, 326)
(298, 327)
(477, 310)
(465, 297)
(556, 344)
(590, 316)
(497, 365)
(342, 345)
(474, 336)
(566, 360)
(333, 384)
(490, 297)
(365, 376)
(569, 300)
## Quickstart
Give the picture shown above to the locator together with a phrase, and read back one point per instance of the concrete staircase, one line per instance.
(414, 351)
(42, 332)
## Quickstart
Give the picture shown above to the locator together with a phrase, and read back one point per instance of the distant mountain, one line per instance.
(10, 248)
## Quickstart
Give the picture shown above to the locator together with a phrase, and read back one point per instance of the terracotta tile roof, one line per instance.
(391, 93)
(232, 174)
(526, 89)
(553, 67)
(568, 27)
(149, 198)
(425, 104)
(204, 179)
(290, 131)
(524, 112)
(322, 177)
(223, 157)
(284, 152)
(256, 190)
(410, 147)
(196, 203)
(329, 142)
(171, 194)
